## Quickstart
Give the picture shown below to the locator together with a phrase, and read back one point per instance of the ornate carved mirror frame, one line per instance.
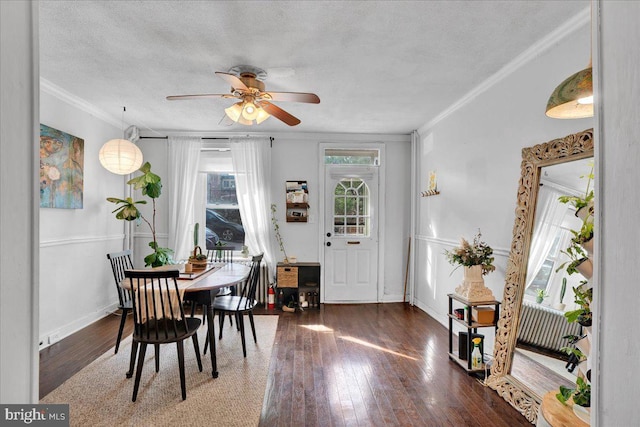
(572, 147)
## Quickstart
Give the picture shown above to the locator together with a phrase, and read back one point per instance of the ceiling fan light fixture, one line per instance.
(249, 111)
(262, 116)
(573, 98)
(234, 111)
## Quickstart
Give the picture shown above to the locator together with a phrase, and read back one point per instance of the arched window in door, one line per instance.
(351, 211)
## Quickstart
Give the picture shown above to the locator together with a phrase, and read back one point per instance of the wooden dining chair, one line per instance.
(121, 261)
(241, 304)
(159, 318)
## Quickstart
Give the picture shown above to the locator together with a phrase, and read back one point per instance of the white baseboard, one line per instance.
(70, 328)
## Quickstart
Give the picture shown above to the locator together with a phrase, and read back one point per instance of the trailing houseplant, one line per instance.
(151, 186)
(583, 297)
(581, 393)
(584, 201)
(468, 255)
(577, 255)
(276, 229)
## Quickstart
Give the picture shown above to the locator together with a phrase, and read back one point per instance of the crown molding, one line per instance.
(79, 103)
(569, 27)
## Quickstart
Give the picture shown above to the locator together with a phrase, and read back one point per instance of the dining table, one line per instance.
(201, 287)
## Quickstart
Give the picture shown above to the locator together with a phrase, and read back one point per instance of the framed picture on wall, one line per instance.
(61, 169)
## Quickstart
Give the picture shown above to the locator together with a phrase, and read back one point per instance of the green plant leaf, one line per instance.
(564, 394)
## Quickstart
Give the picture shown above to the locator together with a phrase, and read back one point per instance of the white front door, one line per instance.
(351, 234)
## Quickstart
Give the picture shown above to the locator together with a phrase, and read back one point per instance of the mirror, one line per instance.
(541, 163)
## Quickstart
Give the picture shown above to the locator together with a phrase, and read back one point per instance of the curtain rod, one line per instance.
(210, 138)
(166, 137)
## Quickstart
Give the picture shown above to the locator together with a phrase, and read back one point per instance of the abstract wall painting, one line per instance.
(61, 169)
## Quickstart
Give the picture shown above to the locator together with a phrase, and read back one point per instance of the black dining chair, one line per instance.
(159, 318)
(241, 304)
(220, 254)
(121, 261)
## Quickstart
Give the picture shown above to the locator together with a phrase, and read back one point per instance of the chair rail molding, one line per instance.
(74, 240)
(502, 252)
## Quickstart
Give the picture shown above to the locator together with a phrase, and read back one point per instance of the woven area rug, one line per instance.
(100, 394)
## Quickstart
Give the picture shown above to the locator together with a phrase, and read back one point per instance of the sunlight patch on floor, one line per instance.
(318, 328)
(374, 346)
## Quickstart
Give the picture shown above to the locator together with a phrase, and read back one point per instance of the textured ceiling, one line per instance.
(377, 66)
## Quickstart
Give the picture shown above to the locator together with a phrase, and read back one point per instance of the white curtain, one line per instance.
(184, 156)
(251, 159)
(549, 215)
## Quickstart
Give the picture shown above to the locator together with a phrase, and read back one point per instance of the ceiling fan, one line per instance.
(247, 85)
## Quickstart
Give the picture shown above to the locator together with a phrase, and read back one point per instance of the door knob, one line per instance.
(328, 243)
(328, 234)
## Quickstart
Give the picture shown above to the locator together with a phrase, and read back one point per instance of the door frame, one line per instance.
(380, 209)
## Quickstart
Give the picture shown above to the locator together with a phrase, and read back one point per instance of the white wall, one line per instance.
(617, 386)
(19, 70)
(77, 285)
(476, 152)
(296, 157)
(155, 151)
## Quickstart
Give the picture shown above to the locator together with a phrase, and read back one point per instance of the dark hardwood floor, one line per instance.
(342, 365)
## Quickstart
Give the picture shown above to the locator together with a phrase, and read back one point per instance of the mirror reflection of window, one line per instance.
(553, 222)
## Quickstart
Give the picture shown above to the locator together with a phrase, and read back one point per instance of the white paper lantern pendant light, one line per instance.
(120, 156)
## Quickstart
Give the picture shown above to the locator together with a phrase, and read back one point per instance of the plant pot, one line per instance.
(585, 320)
(559, 306)
(539, 300)
(585, 267)
(583, 413)
(584, 345)
(588, 245)
(585, 211)
(196, 259)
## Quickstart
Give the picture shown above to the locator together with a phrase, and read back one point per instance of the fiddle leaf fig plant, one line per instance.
(151, 186)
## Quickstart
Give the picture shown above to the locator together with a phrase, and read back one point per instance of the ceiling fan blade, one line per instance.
(279, 113)
(310, 98)
(204, 95)
(233, 80)
(225, 121)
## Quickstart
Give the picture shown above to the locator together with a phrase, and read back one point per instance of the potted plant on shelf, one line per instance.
(563, 289)
(151, 186)
(477, 261)
(541, 294)
(582, 204)
(197, 259)
(583, 298)
(578, 261)
(581, 394)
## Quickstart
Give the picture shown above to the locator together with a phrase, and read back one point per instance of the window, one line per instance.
(223, 222)
(352, 157)
(351, 208)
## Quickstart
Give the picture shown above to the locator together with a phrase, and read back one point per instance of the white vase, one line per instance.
(559, 306)
(472, 288)
(583, 413)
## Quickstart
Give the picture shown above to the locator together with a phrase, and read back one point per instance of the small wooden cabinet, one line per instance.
(471, 325)
(299, 278)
